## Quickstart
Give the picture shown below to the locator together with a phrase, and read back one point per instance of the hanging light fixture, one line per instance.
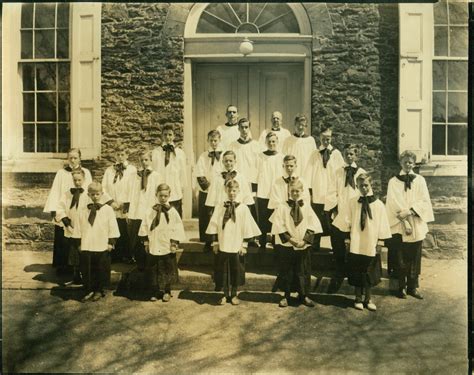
(246, 47)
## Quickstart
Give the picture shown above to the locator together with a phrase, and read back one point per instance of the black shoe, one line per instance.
(402, 294)
(415, 293)
(207, 247)
(335, 285)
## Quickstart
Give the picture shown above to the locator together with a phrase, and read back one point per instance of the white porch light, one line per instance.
(246, 47)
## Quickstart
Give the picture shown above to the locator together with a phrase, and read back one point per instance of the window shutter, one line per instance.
(85, 79)
(416, 46)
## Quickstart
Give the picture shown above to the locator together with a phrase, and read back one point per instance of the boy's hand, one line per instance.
(110, 247)
(378, 249)
(300, 244)
(215, 248)
(402, 215)
(243, 251)
(146, 246)
(115, 205)
(173, 248)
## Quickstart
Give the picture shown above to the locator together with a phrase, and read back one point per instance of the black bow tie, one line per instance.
(69, 169)
(407, 179)
(144, 173)
(229, 213)
(365, 201)
(276, 130)
(295, 212)
(159, 208)
(350, 173)
(289, 179)
(94, 207)
(244, 142)
(326, 155)
(168, 149)
(119, 169)
(76, 193)
(214, 155)
(270, 152)
(228, 176)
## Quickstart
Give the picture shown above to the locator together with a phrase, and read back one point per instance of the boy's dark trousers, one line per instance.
(339, 250)
(408, 262)
(205, 213)
(326, 222)
(229, 273)
(122, 246)
(60, 250)
(136, 246)
(178, 205)
(264, 214)
(95, 270)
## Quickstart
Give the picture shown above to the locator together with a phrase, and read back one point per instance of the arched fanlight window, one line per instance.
(247, 18)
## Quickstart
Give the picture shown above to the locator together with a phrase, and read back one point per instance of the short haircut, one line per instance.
(277, 112)
(94, 186)
(289, 158)
(300, 117)
(271, 134)
(231, 105)
(74, 150)
(296, 184)
(229, 152)
(78, 171)
(364, 177)
(163, 187)
(145, 152)
(120, 147)
(243, 120)
(351, 146)
(232, 184)
(168, 127)
(326, 129)
(213, 133)
(407, 154)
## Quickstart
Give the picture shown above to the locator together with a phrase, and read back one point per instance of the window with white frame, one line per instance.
(449, 100)
(45, 71)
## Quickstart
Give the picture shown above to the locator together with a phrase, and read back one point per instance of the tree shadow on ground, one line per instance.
(201, 298)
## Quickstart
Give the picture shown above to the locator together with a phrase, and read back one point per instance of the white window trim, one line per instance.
(13, 157)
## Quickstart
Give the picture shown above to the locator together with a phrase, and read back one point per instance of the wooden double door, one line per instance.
(257, 89)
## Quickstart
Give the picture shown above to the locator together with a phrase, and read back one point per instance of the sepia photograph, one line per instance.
(230, 188)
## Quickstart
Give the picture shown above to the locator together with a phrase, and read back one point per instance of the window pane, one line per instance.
(441, 41)
(28, 73)
(457, 140)
(457, 75)
(64, 74)
(439, 75)
(44, 44)
(44, 15)
(457, 107)
(46, 76)
(46, 107)
(440, 13)
(27, 44)
(285, 24)
(46, 137)
(63, 107)
(63, 15)
(27, 16)
(28, 107)
(439, 140)
(64, 134)
(63, 44)
(458, 13)
(28, 137)
(208, 24)
(458, 40)
(439, 107)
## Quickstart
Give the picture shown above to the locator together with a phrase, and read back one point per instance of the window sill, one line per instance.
(48, 165)
(444, 168)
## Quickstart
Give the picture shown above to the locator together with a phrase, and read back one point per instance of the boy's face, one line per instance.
(244, 129)
(121, 156)
(407, 164)
(272, 143)
(300, 126)
(232, 115)
(73, 159)
(232, 193)
(214, 142)
(276, 120)
(289, 167)
(325, 139)
(163, 196)
(78, 180)
(95, 195)
(350, 156)
(145, 161)
(364, 187)
(168, 136)
(295, 193)
(229, 162)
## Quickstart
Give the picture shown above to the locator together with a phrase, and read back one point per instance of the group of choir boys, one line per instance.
(281, 187)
